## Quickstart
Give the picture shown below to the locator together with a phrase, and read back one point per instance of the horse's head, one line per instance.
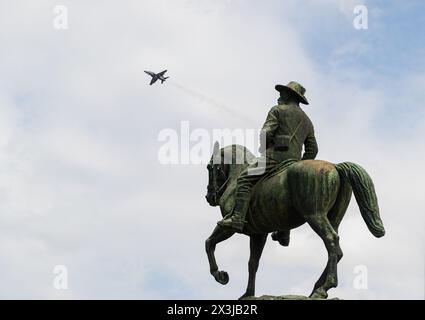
(216, 176)
(225, 163)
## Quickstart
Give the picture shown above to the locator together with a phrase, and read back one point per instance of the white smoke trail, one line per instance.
(210, 101)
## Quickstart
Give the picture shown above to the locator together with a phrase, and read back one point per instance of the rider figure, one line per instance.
(286, 130)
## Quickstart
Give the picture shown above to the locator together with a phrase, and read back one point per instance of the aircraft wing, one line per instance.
(153, 80)
(161, 73)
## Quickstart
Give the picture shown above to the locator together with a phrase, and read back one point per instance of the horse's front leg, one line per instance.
(256, 245)
(219, 234)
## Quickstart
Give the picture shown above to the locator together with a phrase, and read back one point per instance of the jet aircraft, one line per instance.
(157, 76)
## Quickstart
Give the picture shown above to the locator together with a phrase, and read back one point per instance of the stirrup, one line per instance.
(237, 224)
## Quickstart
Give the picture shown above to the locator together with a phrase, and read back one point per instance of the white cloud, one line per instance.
(81, 185)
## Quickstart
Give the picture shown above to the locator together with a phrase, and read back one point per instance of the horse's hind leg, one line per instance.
(321, 225)
(338, 210)
(256, 247)
(322, 278)
(335, 216)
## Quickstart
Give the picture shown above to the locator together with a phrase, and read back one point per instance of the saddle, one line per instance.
(279, 168)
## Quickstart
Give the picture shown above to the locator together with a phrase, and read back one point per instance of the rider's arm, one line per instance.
(310, 147)
(269, 127)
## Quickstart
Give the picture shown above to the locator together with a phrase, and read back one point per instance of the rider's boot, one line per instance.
(282, 236)
(237, 219)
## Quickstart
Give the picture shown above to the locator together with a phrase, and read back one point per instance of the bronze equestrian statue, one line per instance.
(288, 191)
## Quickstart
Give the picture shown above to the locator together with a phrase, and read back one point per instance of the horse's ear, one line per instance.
(216, 147)
(216, 156)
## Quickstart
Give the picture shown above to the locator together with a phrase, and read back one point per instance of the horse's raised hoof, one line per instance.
(221, 277)
(319, 294)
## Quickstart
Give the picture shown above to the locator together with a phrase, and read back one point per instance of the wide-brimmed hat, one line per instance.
(294, 88)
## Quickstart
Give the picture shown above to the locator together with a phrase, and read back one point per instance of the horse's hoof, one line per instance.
(319, 294)
(221, 277)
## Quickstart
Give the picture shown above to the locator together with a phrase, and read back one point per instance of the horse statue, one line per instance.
(312, 191)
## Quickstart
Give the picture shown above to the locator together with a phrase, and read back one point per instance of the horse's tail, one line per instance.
(365, 195)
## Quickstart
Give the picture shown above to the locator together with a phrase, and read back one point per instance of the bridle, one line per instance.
(217, 191)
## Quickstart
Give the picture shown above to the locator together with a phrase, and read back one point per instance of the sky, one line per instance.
(81, 184)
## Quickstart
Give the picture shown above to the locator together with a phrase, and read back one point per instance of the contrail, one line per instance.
(207, 100)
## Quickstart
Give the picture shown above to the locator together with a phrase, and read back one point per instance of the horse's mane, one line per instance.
(236, 154)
